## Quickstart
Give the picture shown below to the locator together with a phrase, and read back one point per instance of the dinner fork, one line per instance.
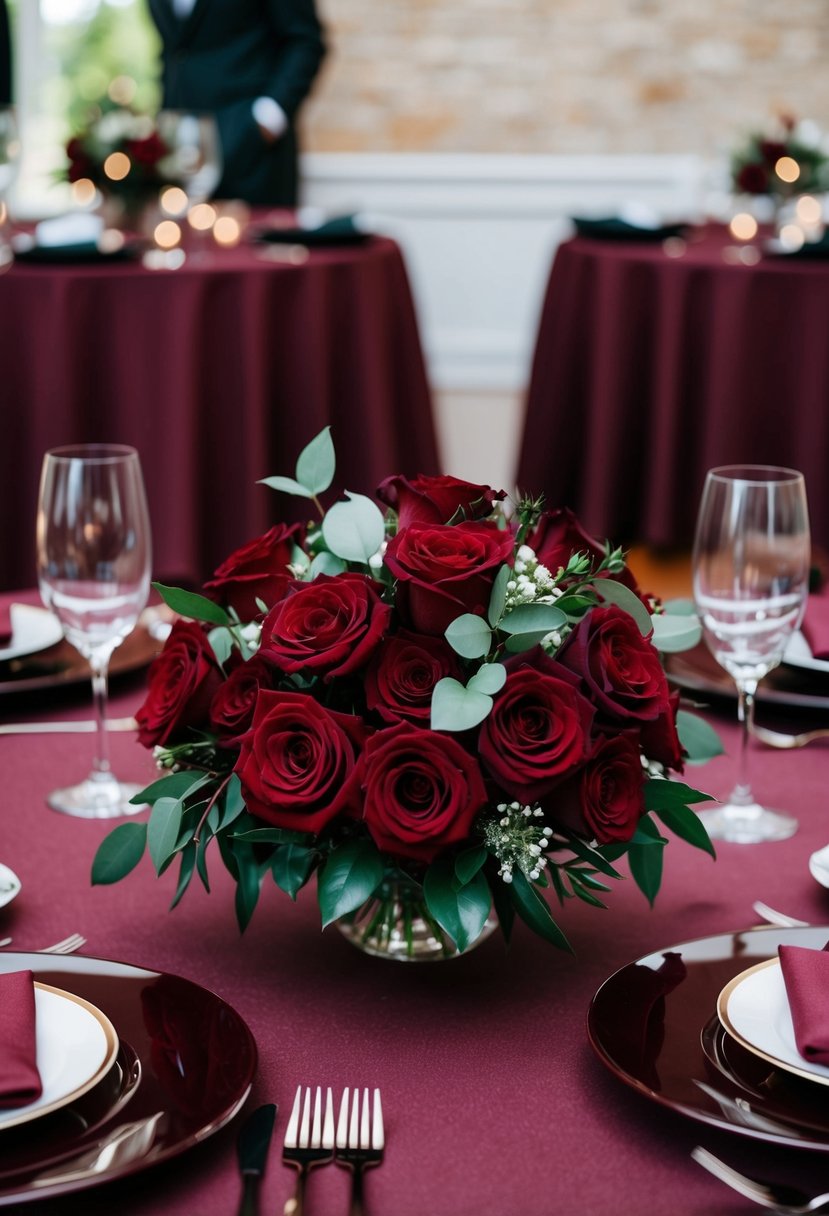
(307, 1143)
(773, 917)
(781, 1198)
(68, 945)
(360, 1141)
(777, 738)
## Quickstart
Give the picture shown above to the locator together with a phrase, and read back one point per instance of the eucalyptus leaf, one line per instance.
(462, 913)
(455, 708)
(680, 607)
(519, 642)
(498, 596)
(469, 636)
(326, 563)
(354, 530)
(317, 462)
(616, 593)
(488, 679)
(672, 634)
(347, 878)
(533, 618)
(287, 485)
(221, 641)
(119, 853)
(189, 604)
(698, 737)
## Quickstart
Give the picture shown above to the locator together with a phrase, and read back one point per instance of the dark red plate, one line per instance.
(185, 1067)
(654, 1025)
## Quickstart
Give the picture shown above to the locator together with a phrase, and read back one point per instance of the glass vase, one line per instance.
(395, 923)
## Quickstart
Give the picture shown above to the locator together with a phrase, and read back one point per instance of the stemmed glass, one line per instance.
(751, 569)
(194, 161)
(93, 564)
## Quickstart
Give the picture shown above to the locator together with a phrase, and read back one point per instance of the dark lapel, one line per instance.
(173, 30)
(192, 23)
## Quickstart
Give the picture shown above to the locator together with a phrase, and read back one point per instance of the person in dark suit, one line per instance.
(251, 63)
(5, 57)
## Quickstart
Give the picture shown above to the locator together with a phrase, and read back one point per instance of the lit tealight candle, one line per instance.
(227, 230)
(116, 166)
(787, 169)
(167, 234)
(173, 201)
(202, 217)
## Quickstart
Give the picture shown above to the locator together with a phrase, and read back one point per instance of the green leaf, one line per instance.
(698, 737)
(461, 913)
(273, 836)
(519, 642)
(504, 908)
(221, 642)
(248, 881)
(354, 530)
(680, 607)
(575, 605)
(647, 833)
(287, 485)
(469, 636)
(174, 785)
(456, 708)
(646, 868)
(489, 679)
(233, 802)
(662, 794)
(498, 596)
(622, 596)
(535, 911)
(118, 853)
(672, 634)
(684, 823)
(326, 563)
(317, 462)
(582, 891)
(291, 867)
(469, 862)
(533, 618)
(188, 865)
(163, 831)
(189, 604)
(593, 856)
(347, 878)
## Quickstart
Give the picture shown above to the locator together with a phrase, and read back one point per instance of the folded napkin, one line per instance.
(74, 254)
(806, 976)
(809, 249)
(627, 227)
(815, 627)
(19, 1078)
(5, 622)
(339, 230)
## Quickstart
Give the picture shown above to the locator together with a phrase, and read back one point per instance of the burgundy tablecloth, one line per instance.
(494, 1101)
(650, 369)
(218, 373)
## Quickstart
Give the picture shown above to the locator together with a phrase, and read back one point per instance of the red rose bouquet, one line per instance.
(121, 153)
(791, 159)
(443, 711)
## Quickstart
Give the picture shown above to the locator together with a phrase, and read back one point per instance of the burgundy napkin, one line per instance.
(5, 622)
(19, 1078)
(806, 976)
(815, 627)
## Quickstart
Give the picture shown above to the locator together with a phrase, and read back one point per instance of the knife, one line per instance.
(252, 1148)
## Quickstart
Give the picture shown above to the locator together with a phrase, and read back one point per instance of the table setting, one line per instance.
(573, 997)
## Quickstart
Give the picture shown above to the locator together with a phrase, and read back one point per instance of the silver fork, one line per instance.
(360, 1141)
(777, 738)
(773, 917)
(68, 945)
(307, 1143)
(785, 1200)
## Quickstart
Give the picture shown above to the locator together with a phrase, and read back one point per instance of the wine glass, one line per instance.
(751, 570)
(194, 160)
(93, 564)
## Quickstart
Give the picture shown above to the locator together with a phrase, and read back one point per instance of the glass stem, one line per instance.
(746, 690)
(100, 766)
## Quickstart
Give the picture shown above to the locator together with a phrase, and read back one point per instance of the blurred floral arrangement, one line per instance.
(120, 152)
(789, 159)
(436, 692)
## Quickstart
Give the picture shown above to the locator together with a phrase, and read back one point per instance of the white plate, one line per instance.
(754, 1009)
(76, 1045)
(798, 654)
(9, 885)
(33, 629)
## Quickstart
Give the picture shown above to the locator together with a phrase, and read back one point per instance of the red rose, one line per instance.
(182, 682)
(436, 500)
(148, 151)
(606, 800)
(752, 179)
(296, 760)
(538, 731)
(620, 670)
(421, 791)
(659, 739)
(258, 570)
(330, 626)
(771, 150)
(402, 674)
(231, 711)
(444, 571)
(558, 535)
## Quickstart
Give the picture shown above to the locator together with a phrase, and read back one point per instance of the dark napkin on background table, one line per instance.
(815, 627)
(806, 976)
(613, 228)
(340, 230)
(809, 249)
(19, 1078)
(5, 623)
(77, 254)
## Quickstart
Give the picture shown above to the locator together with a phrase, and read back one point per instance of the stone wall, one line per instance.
(565, 76)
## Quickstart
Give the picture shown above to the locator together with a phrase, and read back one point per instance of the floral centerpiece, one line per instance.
(434, 707)
(790, 159)
(122, 154)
